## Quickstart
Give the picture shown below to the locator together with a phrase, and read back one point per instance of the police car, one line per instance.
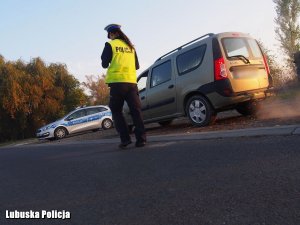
(81, 119)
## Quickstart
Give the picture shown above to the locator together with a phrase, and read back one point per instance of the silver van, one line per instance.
(212, 73)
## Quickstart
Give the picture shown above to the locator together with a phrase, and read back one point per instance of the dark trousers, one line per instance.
(120, 92)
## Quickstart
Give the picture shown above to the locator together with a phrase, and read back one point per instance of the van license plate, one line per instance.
(243, 74)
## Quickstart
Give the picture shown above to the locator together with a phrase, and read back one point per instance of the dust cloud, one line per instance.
(280, 108)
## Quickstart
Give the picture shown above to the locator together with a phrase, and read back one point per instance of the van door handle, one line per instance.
(143, 98)
(171, 86)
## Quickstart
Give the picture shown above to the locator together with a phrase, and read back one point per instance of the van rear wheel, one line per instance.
(200, 111)
(247, 108)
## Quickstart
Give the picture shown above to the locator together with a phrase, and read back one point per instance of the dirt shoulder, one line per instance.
(230, 120)
(279, 110)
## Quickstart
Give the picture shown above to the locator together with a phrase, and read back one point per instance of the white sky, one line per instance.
(71, 31)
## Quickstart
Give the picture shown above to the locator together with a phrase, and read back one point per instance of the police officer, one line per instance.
(120, 58)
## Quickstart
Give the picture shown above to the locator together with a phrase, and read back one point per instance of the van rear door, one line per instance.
(245, 63)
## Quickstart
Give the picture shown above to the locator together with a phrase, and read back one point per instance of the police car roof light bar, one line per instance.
(185, 45)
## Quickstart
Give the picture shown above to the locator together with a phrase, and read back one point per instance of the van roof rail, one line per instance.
(177, 49)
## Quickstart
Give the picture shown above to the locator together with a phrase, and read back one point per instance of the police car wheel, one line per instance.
(200, 111)
(60, 133)
(107, 124)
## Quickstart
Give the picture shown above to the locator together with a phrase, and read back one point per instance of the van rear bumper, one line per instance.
(220, 102)
(221, 95)
(223, 88)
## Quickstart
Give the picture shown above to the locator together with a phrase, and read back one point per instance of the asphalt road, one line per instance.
(235, 181)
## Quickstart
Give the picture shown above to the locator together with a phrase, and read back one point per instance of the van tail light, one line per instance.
(268, 72)
(266, 65)
(220, 69)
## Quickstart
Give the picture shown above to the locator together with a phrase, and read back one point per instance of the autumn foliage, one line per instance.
(33, 94)
(99, 91)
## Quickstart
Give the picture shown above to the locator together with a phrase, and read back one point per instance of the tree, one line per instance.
(276, 70)
(74, 94)
(98, 89)
(288, 30)
(34, 94)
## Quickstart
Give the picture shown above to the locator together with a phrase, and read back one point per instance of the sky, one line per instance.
(72, 31)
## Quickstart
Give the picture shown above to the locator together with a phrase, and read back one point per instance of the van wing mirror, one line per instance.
(143, 89)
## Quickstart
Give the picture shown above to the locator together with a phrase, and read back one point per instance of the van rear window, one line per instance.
(255, 49)
(241, 46)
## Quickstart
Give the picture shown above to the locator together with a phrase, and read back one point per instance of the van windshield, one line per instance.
(245, 47)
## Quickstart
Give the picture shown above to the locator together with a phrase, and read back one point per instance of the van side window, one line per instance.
(190, 60)
(161, 74)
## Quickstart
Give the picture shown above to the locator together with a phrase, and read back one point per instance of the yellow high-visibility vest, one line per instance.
(122, 66)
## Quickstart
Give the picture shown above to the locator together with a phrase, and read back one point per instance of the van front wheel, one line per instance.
(200, 111)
